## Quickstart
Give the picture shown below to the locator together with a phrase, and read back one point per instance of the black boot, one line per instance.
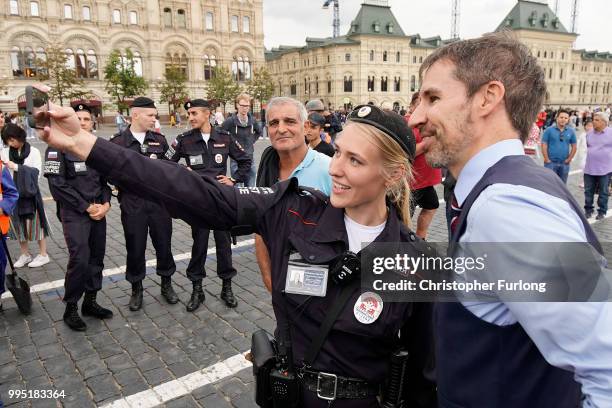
(136, 298)
(167, 291)
(72, 318)
(227, 294)
(91, 308)
(197, 296)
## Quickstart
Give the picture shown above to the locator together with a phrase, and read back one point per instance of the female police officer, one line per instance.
(368, 203)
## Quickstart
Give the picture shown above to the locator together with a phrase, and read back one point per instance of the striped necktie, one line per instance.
(456, 213)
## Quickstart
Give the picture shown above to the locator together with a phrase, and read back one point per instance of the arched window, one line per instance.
(371, 55)
(67, 11)
(167, 17)
(396, 84)
(81, 64)
(210, 21)
(316, 85)
(137, 63)
(348, 83)
(384, 56)
(246, 24)
(241, 68)
(383, 84)
(34, 11)
(41, 57)
(86, 13)
(370, 84)
(133, 17)
(180, 19)
(92, 64)
(177, 60)
(398, 57)
(234, 24)
(70, 63)
(412, 83)
(14, 7)
(117, 16)
(210, 62)
(16, 59)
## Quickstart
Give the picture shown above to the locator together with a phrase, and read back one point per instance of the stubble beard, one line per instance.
(445, 150)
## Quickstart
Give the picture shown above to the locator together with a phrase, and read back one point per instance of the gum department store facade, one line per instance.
(375, 61)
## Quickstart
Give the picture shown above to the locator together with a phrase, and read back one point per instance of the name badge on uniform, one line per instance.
(218, 158)
(196, 160)
(219, 145)
(305, 279)
(80, 167)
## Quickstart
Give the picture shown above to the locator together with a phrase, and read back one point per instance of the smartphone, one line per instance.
(37, 105)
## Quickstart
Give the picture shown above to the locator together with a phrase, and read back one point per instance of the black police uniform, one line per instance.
(75, 186)
(291, 219)
(210, 159)
(139, 216)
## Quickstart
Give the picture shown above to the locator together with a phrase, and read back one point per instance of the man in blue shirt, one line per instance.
(479, 98)
(559, 146)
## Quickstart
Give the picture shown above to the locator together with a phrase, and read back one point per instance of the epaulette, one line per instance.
(114, 136)
(184, 134)
(221, 131)
(303, 190)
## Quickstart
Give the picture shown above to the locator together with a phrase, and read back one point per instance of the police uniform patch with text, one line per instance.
(196, 160)
(368, 308)
(171, 149)
(80, 167)
(51, 167)
(255, 190)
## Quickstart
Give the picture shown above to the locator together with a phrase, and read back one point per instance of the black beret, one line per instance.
(143, 102)
(197, 103)
(82, 107)
(388, 122)
(316, 119)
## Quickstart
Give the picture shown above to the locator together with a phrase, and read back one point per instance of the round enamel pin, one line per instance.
(218, 158)
(364, 111)
(368, 308)
(153, 156)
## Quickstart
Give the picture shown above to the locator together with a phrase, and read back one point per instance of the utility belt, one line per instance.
(329, 386)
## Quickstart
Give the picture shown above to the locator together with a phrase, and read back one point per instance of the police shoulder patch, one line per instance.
(52, 167)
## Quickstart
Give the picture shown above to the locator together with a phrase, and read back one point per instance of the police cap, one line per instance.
(316, 119)
(197, 103)
(388, 122)
(143, 102)
(81, 107)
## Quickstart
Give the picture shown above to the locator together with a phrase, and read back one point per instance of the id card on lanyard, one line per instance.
(306, 279)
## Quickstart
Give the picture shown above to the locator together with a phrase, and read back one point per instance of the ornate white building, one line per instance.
(197, 35)
(377, 62)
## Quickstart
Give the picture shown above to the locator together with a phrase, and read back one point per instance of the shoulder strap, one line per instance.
(328, 323)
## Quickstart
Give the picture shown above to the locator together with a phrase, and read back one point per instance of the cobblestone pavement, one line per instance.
(159, 356)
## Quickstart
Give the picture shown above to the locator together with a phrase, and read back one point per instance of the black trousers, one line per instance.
(86, 242)
(136, 226)
(195, 269)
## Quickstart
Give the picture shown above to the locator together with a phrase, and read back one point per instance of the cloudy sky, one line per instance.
(289, 22)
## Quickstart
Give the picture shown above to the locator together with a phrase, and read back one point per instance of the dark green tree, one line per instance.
(121, 80)
(261, 86)
(222, 87)
(54, 70)
(173, 89)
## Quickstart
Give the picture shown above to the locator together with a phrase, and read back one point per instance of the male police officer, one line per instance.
(138, 215)
(205, 150)
(83, 198)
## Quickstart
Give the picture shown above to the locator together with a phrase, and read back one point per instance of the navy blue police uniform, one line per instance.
(75, 186)
(210, 159)
(140, 216)
(291, 219)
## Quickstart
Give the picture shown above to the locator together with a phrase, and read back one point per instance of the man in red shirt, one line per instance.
(424, 179)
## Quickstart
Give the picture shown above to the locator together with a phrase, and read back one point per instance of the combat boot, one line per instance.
(197, 296)
(167, 290)
(91, 308)
(72, 318)
(136, 298)
(227, 294)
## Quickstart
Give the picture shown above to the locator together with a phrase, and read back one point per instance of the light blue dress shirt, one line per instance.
(313, 171)
(573, 336)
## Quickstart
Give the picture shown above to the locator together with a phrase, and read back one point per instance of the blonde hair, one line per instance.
(243, 97)
(393, 157)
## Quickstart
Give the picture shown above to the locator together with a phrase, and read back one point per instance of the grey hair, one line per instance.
(498, 57)
(285, 100)
(603, 116)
